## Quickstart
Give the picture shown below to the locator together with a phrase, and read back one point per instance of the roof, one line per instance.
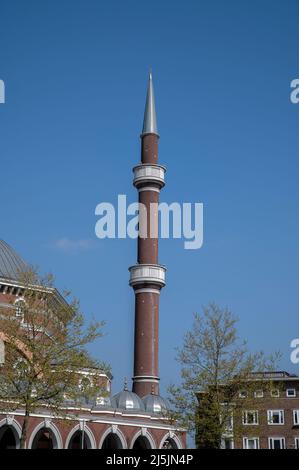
(150, 119)
(127, 400)
(11, 264)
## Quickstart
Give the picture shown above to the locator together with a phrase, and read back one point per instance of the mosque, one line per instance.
(130, 419)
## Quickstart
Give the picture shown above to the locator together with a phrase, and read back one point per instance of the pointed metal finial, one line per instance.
(125, 385)
(150, 119)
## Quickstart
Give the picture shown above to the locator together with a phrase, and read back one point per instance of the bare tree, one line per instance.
(217, 377)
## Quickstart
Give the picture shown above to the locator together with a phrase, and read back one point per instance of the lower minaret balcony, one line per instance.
(145, 174)
(147, 274)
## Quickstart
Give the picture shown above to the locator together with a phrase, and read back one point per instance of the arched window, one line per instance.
(112, 441)
(142, 443)
(170, 444)
(8, 438)
(44, 439)
(79, 441)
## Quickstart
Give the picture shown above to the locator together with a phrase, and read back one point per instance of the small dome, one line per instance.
(155, 404)
(11, 265)
(126, 400)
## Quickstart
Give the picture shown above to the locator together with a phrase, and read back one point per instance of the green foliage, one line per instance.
(45, 351)
(215, 367)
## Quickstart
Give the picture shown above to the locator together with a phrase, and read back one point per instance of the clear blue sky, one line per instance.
(75, 74)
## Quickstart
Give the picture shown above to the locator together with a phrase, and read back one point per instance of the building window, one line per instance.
(275, 417)
(227, 443)
(251, 443)
(276, 443)
(275, 393)
(258, 394)
(228, 421)
(20, 307)
(296, 442)
(296, 417)
(250, 417)
(242, 394)
(291, 392)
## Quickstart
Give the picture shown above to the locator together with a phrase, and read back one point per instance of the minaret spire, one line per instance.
(147, 277)
(150, 118)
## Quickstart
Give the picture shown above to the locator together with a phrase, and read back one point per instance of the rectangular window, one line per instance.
(250, 417)
(242, 394)
(291, 392)
(227, 419)
(276, 443)
(227, 443)
(258, 394)
(296, 417)
(275, 417)
(296, 442)
(275, 393)
(251, 443)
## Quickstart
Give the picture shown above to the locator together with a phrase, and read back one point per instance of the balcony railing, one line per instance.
(146, 173)
(147, 274)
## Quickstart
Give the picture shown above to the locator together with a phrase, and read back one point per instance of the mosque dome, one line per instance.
(126, 400)
(11, 265)
(155, 404)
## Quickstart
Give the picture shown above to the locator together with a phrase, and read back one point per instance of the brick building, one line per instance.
(128, 419)
(272, 422)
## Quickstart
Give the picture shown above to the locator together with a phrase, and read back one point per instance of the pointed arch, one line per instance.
(147, 438)
(116, 431)
(46, 425)
(9, 423)
(87, 431)
(173, 439)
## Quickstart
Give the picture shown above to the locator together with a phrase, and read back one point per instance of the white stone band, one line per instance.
(149, 188)
(146, 378)
(150, 291)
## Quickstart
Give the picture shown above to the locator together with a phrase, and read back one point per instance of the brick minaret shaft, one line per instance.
(147, 277)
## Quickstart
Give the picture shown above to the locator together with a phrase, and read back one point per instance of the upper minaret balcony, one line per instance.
(146, 174)
(142, 274)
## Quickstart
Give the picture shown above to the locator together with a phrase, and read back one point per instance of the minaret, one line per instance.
(147, 277)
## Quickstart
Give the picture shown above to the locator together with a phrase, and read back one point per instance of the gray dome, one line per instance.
(155, 404)
(11, 265)
(126, 400)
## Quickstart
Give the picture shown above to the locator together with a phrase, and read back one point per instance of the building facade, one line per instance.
(129, 419)
(272, 422)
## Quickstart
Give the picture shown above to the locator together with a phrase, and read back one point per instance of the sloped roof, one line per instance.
(11, 264)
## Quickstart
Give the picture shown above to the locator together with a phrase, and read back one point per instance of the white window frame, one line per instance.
(270, 417)
(259, 394)
(245, 414)
(229, 426)
(281, 439)
(296, 442)
(275, 393)
(20, 305)
(230, 439)
(256, 442)
(243, 394)
(296, 417)
(293, 390)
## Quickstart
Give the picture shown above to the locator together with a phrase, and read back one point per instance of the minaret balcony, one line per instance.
(147, 274)
(149, 174)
